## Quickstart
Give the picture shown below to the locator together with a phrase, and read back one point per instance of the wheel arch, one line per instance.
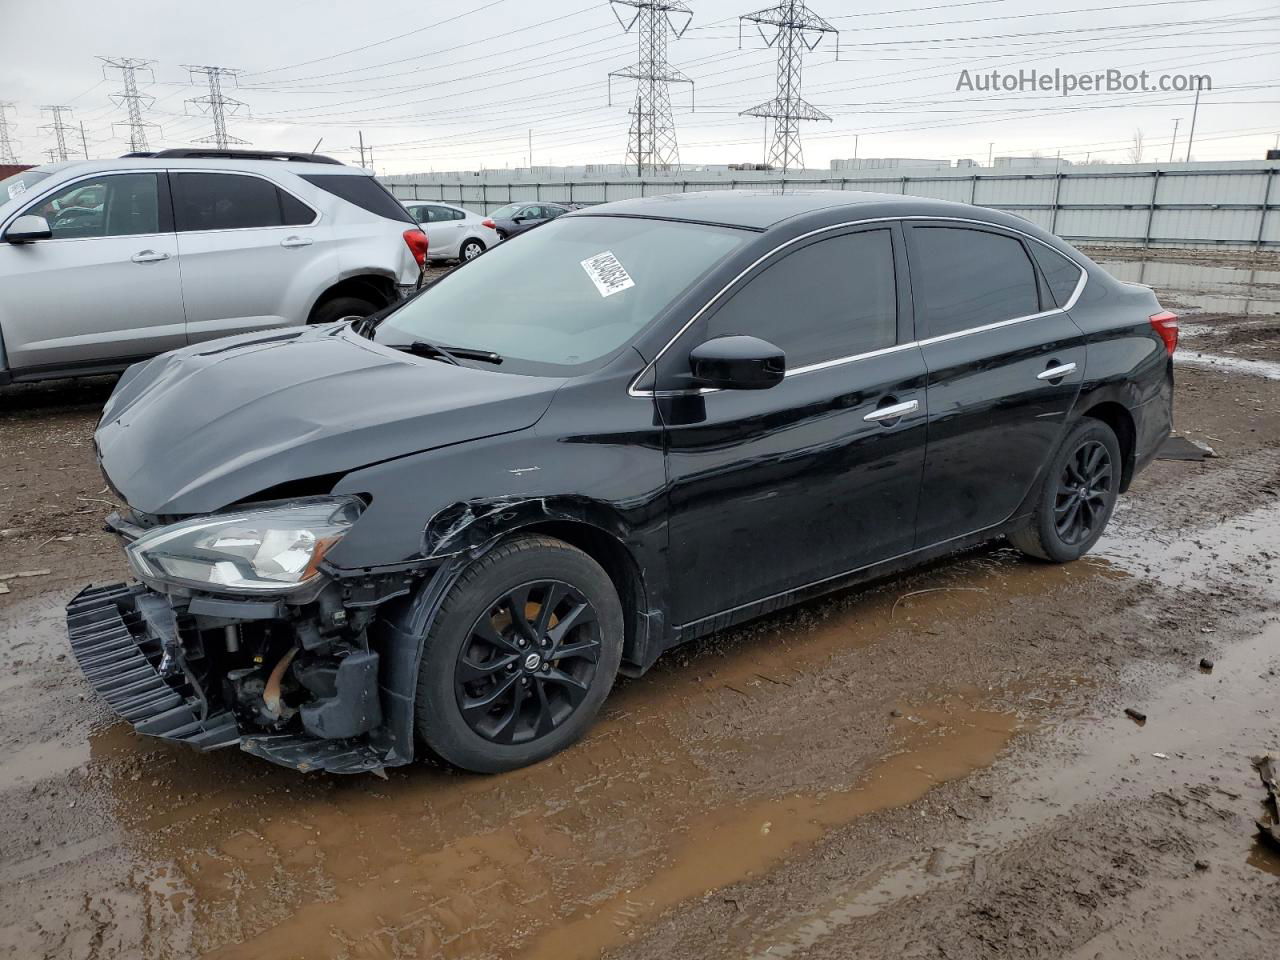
(378, 289)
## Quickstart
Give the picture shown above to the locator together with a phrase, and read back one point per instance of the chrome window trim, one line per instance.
(632, 391)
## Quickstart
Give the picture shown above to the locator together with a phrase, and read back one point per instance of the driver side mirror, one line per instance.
(738, 363)
(28, 228)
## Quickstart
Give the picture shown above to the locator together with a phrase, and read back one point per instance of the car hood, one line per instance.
(200, 428)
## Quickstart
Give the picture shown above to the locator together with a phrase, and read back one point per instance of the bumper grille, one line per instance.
(120, 658)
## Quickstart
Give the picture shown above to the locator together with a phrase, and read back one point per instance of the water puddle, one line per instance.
(1208, 289)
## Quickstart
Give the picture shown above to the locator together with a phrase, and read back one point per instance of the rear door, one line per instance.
(104, 288)
(1004, 365)
(774, 489)
(241, 239)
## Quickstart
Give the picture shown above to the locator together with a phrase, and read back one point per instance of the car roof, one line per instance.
(761, 209)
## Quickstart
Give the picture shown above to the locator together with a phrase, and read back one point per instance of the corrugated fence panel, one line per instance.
(1210, 204)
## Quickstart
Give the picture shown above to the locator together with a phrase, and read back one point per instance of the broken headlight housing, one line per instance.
(269, 548)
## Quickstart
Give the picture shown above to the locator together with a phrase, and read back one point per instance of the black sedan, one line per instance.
(516, 218)
(452, 527)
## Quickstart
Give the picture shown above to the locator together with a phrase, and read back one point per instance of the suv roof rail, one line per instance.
(191, 153)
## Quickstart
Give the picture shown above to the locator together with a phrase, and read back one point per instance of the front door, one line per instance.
(105, 289)
(1005, 367)
(776, 489)
(244, 244)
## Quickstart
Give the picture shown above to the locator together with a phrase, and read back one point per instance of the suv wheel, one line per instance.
(520, 657)
(1076, 497)
(470, 250)
(340, 307)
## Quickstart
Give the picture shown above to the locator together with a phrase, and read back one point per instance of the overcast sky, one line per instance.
(447, 86)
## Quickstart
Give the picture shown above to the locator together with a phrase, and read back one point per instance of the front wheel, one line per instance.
(520, 656)
(1077, 496)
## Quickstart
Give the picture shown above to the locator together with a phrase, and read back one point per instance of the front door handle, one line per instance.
(296, 242)
(1056, 372)
(892, 412)
(149, 256)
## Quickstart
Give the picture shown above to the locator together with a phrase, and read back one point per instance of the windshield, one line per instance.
(507, 212)
(15, 186)
(565, 294)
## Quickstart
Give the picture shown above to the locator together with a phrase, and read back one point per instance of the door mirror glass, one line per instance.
(738, 363)
(27, 228)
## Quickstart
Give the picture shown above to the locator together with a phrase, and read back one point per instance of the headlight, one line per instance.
(270, 548)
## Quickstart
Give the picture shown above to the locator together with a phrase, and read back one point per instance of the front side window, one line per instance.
(567, 294)
(229, 201)
(120, 205)
(830, 299)
(964, 278)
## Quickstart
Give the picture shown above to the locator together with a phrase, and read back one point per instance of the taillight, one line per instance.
(416, 240)
(1166, 324)
(489, 223)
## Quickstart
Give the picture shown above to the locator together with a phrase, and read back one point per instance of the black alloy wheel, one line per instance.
(528, 662)
(1082, 502)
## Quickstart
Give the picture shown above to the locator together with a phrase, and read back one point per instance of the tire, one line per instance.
(1076, 497)
(339, 307)
(470, 250)
(487, 701)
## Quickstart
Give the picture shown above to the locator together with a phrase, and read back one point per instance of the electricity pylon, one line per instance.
(59, 129)
(651, 143)
(796, 29)
(129, 98)
(215, 103)
(7, 151)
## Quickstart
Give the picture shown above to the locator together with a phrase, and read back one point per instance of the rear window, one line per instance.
(365, 192)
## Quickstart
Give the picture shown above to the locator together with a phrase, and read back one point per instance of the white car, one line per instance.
(453, 233)
(107, 262)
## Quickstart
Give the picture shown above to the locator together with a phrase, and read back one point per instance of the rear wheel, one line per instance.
(521, 655)
(1077, 496)
(340, 308)
(470, 250)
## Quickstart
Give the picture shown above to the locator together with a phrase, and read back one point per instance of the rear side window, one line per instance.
(229, 201)
(1061, 273)
(830, 299)
(365, 192)
(965, 278)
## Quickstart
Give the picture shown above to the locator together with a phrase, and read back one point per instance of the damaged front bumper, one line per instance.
(208, 680)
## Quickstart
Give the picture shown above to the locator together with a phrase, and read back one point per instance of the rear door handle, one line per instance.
(149, 256)
(1056, 373)
(296, 242)
(892, 412)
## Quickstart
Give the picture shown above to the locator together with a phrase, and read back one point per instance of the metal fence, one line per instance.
(1187, 205)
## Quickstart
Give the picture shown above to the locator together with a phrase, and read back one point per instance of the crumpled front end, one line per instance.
(297, 685)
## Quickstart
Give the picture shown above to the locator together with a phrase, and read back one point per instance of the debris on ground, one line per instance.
(1180, 448)
(1136, 715)
(24, 573)
(1270, 830)
(1206, 664)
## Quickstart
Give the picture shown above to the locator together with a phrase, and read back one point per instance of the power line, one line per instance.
(651, 141)
(796, 29)
(215, 103)
(60, 130)
(7, 154)
(129, 98)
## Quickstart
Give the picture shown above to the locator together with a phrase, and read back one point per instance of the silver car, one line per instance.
(103, 263)
(454, 233)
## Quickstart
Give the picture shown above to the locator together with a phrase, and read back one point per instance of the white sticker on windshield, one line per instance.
(607, 274)
(17, 189)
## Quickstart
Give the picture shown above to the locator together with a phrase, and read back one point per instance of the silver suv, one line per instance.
(106, 262)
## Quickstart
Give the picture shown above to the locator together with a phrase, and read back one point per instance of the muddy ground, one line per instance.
(935, 766)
